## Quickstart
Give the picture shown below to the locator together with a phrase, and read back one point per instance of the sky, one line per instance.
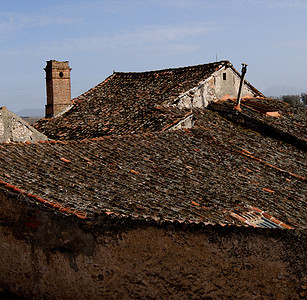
(97, 37)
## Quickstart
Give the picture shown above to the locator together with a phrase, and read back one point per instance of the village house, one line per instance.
(137, 102)
(157, 186)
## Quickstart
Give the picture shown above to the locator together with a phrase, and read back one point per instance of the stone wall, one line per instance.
(223, 83)
(15, 129)
(51, 256)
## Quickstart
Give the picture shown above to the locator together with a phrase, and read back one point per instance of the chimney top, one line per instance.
(54, 64)
(57, 87)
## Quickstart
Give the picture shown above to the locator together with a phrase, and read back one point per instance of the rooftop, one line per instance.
(218, 172)
(128, 103)
(115, 156)
(268, 116)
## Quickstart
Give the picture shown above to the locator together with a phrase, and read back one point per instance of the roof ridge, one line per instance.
(172, 69)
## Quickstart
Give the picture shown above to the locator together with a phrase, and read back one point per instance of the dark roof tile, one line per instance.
(290, 126)
(200, 175)
(127, 103)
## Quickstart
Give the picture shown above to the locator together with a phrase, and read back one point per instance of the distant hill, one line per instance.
(30, 112)
(31, 121)
(279, 90)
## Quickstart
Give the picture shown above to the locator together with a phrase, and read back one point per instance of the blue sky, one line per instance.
(97, 37)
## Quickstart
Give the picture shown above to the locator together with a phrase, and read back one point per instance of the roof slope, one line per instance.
(268, 116)
(217, 172)
(127, 103)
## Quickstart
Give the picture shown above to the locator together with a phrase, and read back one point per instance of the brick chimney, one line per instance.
(57, 87)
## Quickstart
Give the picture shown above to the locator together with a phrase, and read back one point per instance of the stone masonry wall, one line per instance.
(223, 83)
(49, 256)
(14, 129)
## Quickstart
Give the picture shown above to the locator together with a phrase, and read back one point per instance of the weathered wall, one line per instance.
(53, 257)
(215, 87)
(230, 86)
(14, 129)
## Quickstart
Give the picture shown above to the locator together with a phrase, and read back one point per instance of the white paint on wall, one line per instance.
(222, 83)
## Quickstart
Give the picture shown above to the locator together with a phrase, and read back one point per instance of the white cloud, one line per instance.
(227, 4)
(150, 39)
(13, 22)
(128, 6)
(301, 4)
(181, 4)
(282, 4)
(134, 39)
(88, 8)
(299, 44)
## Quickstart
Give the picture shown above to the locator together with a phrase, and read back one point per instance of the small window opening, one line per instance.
(224, 76)
(61, 74)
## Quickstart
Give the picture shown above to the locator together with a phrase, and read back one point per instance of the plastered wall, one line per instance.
(223, 83)
(50, 257)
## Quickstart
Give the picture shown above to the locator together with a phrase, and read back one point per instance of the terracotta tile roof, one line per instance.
(268, 116)
(127, 103)
(209, 174)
